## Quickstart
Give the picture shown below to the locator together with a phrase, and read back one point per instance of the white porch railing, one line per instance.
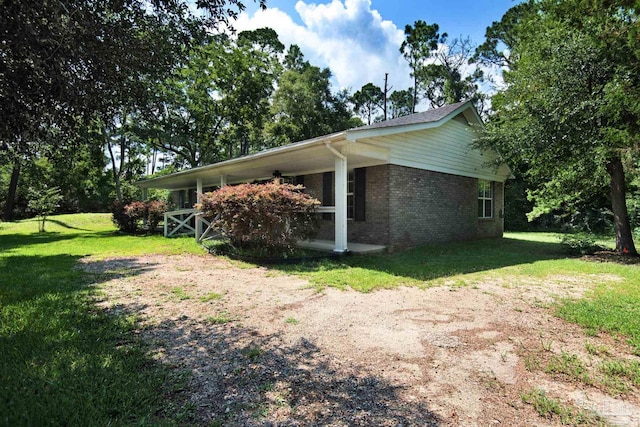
(179, 223)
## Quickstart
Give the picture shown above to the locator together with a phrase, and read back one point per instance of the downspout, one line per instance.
(340, 195)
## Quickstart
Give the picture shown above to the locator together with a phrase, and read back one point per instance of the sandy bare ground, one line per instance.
(264, 349)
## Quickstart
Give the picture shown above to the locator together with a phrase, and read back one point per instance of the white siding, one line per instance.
(446, 149)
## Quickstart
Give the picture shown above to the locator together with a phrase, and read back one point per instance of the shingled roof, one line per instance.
(429, 116)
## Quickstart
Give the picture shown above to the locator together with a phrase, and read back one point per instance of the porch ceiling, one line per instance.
(312, 157)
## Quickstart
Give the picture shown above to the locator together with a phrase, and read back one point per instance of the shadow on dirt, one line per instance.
(242, 378)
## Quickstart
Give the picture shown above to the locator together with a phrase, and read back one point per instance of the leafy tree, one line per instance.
(443, 80)
(250, 90)
(215, 106)
(438, 66)
(43, 202)
(303, 106)
(77, 169)
(401, 103)
(502, 36)
(63, 63)
(294, 59)
(421, 40)
(123, 148)
(570, 112)
(368, 101)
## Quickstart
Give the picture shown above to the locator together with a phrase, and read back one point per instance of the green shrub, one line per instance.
(264, 218)
(580, 244)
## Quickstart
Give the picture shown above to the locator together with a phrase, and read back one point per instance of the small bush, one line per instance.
(262, 218)
(155, 213)
(580, 244)
(129, 216)
(121, 218)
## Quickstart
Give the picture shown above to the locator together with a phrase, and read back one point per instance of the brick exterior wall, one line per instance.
(430, 207)
(375, 228)
(407, 207)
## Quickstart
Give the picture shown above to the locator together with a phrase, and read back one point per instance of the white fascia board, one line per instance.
(355, 135)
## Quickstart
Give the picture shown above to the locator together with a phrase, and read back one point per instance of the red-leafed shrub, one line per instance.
(129, 217)
(121, 218)
(155, 213)
(261, 218)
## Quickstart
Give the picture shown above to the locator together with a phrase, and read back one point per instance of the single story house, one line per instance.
(400, 183)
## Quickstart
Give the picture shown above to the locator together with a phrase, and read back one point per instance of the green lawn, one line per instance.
(65, 362)
(62, 360)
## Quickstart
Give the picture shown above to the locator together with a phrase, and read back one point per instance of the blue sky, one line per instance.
(359, 40)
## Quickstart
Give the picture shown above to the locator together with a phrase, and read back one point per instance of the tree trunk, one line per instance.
(624, 237)
(11, 194)
(415, 93)
(114, 170)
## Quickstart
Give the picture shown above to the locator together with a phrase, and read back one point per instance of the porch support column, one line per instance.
(198, 189)
(198, 199)
(341, 204)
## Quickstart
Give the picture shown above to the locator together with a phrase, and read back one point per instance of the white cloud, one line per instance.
(347, 36)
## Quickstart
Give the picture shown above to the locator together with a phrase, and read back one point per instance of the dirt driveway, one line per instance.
(265, 349)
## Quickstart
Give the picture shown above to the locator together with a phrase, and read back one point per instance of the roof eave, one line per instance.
(149, 183)
(355, 134)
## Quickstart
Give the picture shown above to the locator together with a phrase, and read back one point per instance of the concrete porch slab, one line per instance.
(328, 245)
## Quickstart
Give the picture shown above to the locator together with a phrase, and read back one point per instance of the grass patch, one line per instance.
(613, 375)
(570, 366)
(211, 296)
(291, 321)
(180, 294)
(252, 353)
(609, 308)
(550, 408)
(597, 349)
(220, 319)
(63, 361)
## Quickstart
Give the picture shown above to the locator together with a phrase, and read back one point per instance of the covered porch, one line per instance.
(332, 153)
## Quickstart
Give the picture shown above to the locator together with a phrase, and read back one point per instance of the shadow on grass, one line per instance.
(65, 225)
(241, 377)
(13, 241)
(63, 360)
(443, 260)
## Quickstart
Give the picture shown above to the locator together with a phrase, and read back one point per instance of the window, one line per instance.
(485, 199)
(350, 195)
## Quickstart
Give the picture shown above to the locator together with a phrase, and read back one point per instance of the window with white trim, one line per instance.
(485, 199)
(351, 201)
